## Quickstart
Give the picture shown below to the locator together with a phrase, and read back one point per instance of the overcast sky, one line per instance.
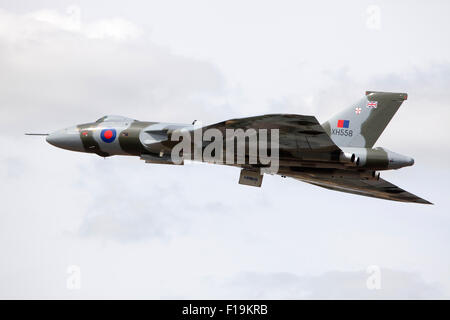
(152, 231)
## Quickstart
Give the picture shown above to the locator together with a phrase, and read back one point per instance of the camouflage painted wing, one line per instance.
(370, 188)
(298, 133)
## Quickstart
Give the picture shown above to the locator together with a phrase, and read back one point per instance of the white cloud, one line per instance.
(78, 72)
(17, 27)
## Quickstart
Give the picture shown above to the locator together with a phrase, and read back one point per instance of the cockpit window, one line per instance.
(101, 119)
(113, 118)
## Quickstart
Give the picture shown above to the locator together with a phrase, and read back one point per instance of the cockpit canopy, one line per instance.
(113, 118)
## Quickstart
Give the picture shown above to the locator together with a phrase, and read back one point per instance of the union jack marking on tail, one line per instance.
(372, 104)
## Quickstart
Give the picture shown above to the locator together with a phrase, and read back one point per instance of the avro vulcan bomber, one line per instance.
(338, 154)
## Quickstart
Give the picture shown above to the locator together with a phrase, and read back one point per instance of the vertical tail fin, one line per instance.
(362, 124)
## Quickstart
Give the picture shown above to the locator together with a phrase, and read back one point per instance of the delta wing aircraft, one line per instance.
(337, 154)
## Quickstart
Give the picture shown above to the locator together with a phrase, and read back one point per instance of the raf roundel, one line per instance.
(108, 135)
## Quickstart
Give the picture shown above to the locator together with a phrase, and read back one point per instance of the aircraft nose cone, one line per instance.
(56, 138)
(68, 139)
(411, 161)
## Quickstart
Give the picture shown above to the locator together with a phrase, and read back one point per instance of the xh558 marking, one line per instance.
(337, 154)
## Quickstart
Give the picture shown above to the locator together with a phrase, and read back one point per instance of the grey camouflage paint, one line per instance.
(337, 158)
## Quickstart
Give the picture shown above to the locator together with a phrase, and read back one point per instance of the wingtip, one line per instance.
(423, 201)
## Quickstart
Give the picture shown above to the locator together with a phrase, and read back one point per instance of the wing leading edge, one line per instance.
(381, 188)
